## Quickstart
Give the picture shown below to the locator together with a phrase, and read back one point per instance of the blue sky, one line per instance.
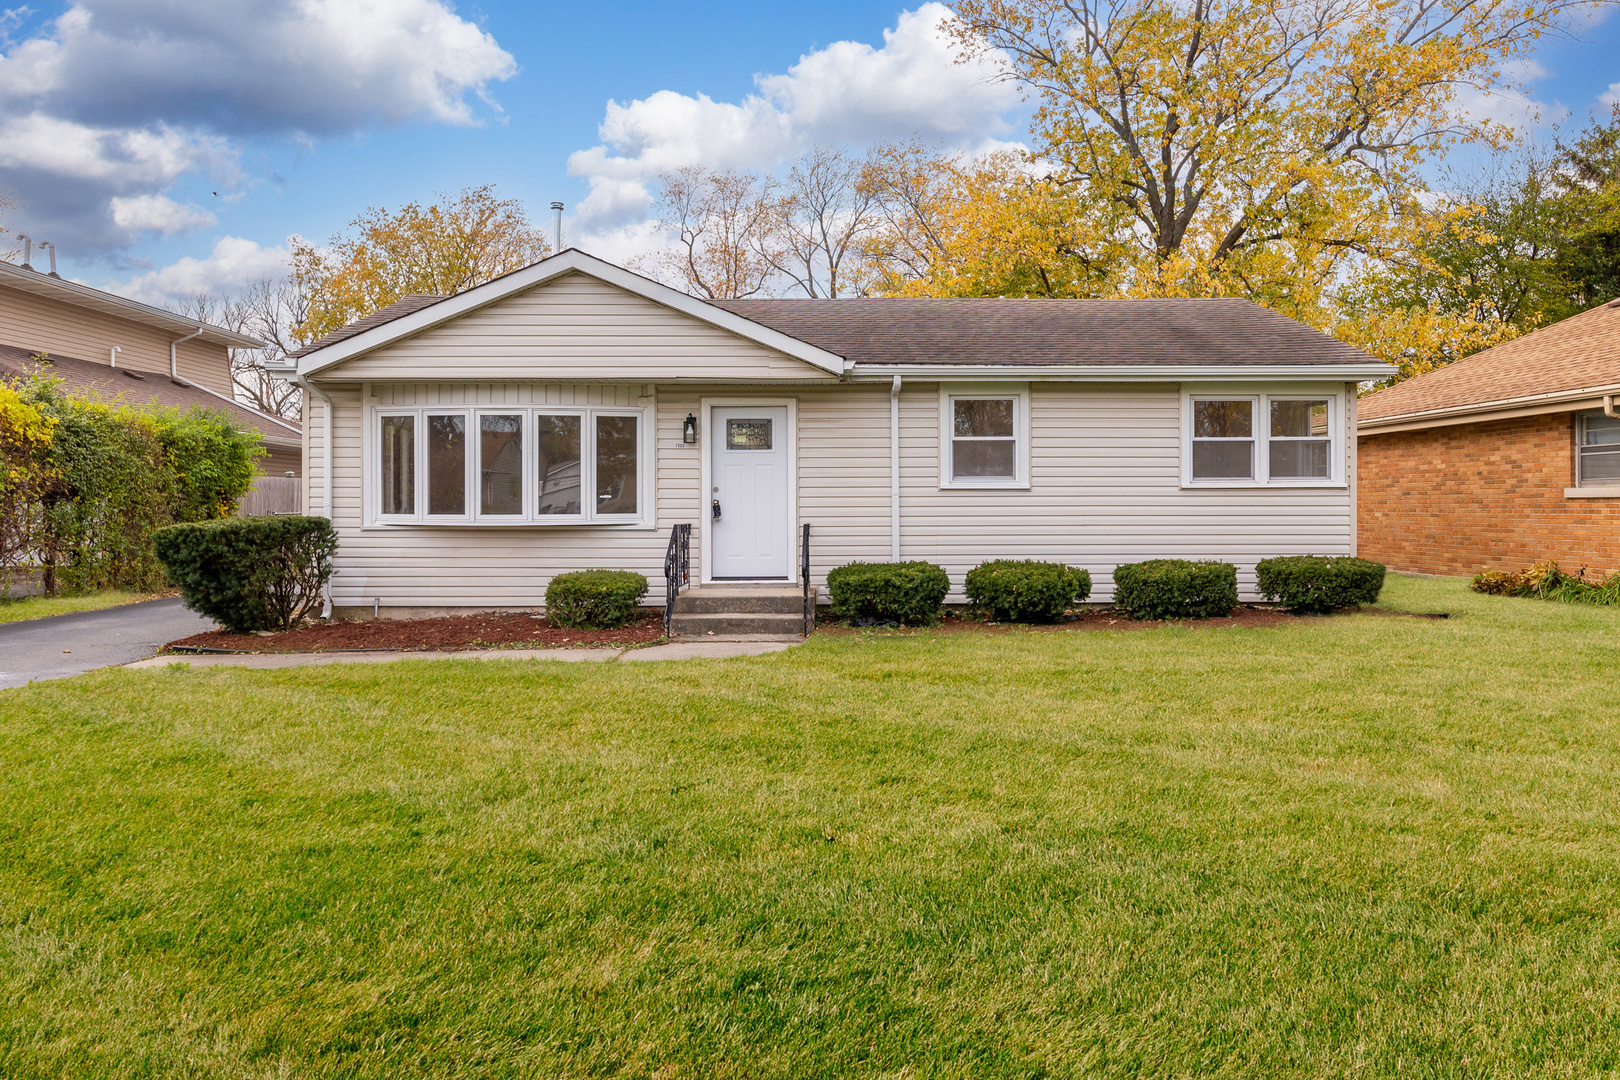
(120, 119)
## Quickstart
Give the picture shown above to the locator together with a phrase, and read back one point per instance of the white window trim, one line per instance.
(1261, 402)
(1598, 488)
(1019, 392)
(646, 467)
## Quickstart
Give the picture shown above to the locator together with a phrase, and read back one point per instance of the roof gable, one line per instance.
(352, 346)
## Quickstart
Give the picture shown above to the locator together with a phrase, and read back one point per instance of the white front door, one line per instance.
(748, 469)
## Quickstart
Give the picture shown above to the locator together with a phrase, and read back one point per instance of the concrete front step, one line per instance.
(732, 624)
(743, 600)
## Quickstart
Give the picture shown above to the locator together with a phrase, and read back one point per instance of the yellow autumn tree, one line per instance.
(459, 242)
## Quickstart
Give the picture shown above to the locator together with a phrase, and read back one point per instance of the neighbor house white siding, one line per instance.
(1104, 489)
(578, 328)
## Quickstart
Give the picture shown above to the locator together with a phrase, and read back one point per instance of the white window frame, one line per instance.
(949, 393)
(646, 467)
(1261, 400)
(1581, 481)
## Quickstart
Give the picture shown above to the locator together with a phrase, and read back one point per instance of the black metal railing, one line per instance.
(804, 576)
(677, 569)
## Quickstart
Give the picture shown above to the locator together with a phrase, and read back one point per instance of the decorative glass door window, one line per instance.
(1598, 451)
(1223, 439)
(1301, 441)
(748, 434)
(508, 466)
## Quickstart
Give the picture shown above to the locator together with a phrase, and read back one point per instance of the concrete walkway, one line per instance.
(66, 645)
(676, 650)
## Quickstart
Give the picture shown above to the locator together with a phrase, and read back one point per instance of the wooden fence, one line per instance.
(273, 495)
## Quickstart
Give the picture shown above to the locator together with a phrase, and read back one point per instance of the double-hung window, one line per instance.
(1597, 451)
(1249, 439)
(506, 466)
(984, 437)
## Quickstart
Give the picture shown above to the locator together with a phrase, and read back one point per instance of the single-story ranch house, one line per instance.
(573, 414)
(1501, 459)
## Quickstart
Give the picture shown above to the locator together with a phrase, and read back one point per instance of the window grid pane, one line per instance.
(447, 464)
(1299, 419)
(1600, 464)
(990, 418)
(399, 465)
(500, 457)
(1223, 459)
(559, 472)
(1232, 419)
(984, 459)
(1299, 459)
(616, 465)
(1600, 430)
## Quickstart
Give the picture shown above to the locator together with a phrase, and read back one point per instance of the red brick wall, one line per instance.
(1456, 500)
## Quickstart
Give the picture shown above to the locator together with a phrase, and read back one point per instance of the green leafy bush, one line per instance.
(1175, 589)
(262, 573)
(1545, 581)
(911, 593)
(1024, 590)
(594, 599)
(1317, 584)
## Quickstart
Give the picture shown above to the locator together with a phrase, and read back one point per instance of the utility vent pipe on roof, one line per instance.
(48, 244)
(557, 206)
(28, 250)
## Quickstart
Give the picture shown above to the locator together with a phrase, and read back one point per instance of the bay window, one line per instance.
(509, 466)
(1244, 440)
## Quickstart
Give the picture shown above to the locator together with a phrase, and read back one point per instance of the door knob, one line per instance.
(715, 510)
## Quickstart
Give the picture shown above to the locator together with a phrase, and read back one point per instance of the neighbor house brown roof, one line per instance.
(1210, 332)
(1579, 355)
(397, 310)
(123, 386)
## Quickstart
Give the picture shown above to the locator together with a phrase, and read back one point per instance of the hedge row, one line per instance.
(913, 593)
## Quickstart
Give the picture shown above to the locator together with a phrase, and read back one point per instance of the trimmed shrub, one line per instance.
(1175, 589)
(247, 574)
(911, 593)
(1544, 581)
(1316, 584)
(594, 599)
(1024, 590)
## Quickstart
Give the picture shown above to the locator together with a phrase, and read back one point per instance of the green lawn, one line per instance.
(1358, 846)
(43, 607)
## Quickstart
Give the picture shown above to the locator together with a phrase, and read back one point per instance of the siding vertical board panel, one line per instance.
(38, 322)
(577, 328)
(1105, 489)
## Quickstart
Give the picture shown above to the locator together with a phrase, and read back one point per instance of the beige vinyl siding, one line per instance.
(1105, 488)
(50, 326)
(280, 461)
(577, 328)
(1104, 474)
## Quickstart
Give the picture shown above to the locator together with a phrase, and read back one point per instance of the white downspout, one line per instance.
(326, 471)
(112, 356)
(1608, 407)
(174, 360)
(894, 470)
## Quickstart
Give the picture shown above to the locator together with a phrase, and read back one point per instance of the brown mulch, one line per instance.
(955, 622)
(490, 630)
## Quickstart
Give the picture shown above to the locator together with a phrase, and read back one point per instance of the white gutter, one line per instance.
(1484, 408)
(174, 361)
(326, 472)
(1608, 407)
(1123, 372)
(894, 470)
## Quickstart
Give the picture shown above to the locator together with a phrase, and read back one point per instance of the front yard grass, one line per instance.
(1356, 846)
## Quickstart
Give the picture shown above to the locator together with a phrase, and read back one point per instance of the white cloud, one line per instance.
(159, 214)
(233, 263)
(120, 98)
(848, 92)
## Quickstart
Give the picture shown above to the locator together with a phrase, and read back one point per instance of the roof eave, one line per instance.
(570, 261)
(1124, 372)
(1486, 409)
(71, 292)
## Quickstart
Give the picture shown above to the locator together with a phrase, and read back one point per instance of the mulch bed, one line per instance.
(956, 622)
(490, 630)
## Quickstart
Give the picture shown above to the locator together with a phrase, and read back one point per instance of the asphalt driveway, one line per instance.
(65, 645)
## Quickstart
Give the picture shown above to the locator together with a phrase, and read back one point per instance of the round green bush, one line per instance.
(1318, 584)
(258, 573)
(1024, 590)
(594, 599)
(911, 593)
(1175, 589)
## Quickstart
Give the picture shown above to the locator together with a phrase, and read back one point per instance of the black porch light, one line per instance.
(689, 430)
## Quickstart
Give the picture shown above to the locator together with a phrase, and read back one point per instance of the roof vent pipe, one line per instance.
(112, 356)
(48, 244)
(28, 250)
(557, 206)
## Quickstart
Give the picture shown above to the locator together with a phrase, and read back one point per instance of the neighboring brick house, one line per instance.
(161, 358)
(1499, 460)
